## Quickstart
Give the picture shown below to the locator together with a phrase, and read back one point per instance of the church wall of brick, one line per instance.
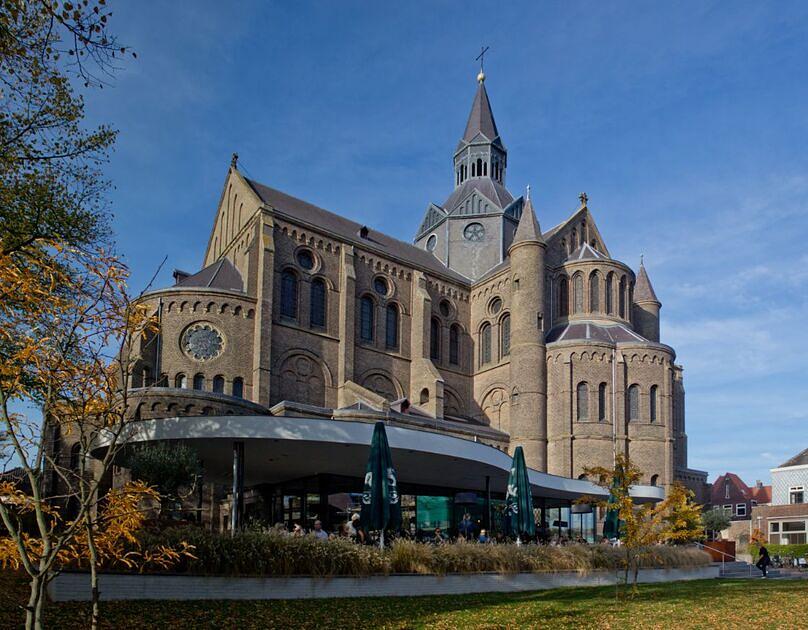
(229, 313)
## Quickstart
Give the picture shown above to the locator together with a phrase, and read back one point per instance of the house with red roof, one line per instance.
(731, 494)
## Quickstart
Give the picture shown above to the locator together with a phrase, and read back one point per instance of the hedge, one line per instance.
(253, 553)
(784, 551)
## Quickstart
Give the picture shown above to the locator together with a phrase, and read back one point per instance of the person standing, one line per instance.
(466, 527)
(764, 560)
(319, 532)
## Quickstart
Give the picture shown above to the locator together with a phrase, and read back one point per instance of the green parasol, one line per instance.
(518, 499)
(381, 507)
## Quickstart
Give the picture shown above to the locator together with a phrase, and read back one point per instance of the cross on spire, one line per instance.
(583, 198)
(481, 58)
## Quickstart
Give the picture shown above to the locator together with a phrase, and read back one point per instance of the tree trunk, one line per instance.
(34, 608)
(43, 584)
(628, 566)
(96, 594)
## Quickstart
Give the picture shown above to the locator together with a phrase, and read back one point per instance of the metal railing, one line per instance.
(724, 555)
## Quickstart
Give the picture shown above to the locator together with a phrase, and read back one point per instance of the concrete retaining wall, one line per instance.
(76, 586)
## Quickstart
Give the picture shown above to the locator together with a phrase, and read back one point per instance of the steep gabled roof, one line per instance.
(800, 459)
(582, 211)
(718, 495)
(643, 291)
(220, 275)
(347, 230)
(481, 118)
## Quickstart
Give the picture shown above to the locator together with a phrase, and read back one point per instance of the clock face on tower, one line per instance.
(474, 232)
(202, 342)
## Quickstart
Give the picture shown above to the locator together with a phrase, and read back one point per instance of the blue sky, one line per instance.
(685, 124)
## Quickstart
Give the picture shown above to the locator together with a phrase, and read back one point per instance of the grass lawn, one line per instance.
(698, 604)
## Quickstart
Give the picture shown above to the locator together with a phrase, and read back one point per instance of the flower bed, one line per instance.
(270, 554)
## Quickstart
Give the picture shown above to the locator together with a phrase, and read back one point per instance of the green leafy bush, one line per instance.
(269, 553)
(784, 551)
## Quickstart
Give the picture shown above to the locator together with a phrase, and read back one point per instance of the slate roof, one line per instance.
(347, 230)
(481, 118)
(590, 331)
(220, 275)
(800, 459)
(495, 191)
(587, 252)
(528, 228)
(643, 291)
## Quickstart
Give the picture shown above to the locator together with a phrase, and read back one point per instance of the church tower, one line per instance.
(472, 230)
(528, 365)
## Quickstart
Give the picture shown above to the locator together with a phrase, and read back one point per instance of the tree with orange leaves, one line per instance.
(67, 329)
(675, 519)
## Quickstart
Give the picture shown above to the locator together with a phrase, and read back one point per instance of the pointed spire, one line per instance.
(481, 118)
(643, 291)
(528, 229)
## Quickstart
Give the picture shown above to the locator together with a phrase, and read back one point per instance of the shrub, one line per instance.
(262, 553)
(784, 551)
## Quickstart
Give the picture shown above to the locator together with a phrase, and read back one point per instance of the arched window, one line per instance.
(218, 384)
(654, 480)
(479, 167)
(578, 293)
(238, 387)
(634, 402)
(473, 169)
(653, 402)
(563, 297)
(424, 396)
(391, 326)
(454, 344)
(317, 306)
(181, 381)
(289, 294)
(630, 295)
(609, 297)
(366, 307)
(199, 381)
(602, 402)
(434, 339)
(505, 336)
(582, 397)
(622, 297)
(594, 292)
(485, 344)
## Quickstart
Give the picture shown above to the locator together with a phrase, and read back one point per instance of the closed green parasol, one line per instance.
(381, 507)
(518, 499)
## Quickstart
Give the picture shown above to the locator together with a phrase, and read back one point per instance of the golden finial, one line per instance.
(481, 77)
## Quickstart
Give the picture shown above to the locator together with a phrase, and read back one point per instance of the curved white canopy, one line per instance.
(280, 448)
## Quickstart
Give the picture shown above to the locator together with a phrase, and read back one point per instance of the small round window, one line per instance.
(495, 306)
(431, 243)
(474, 232)
(444, 308)
(380, 286)
(305, 259)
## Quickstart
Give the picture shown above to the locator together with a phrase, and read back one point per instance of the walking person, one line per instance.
(764, 560)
